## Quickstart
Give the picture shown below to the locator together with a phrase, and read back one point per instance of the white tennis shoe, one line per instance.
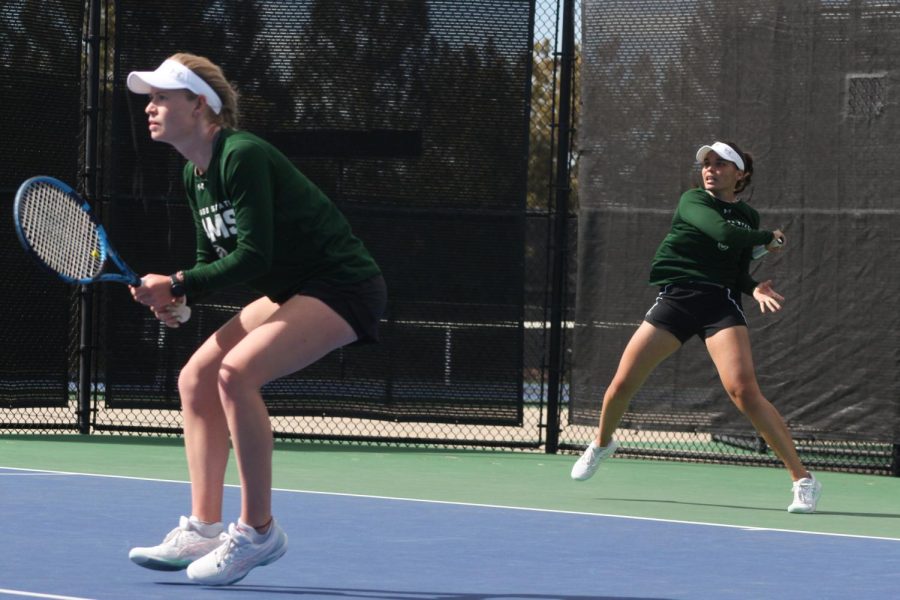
(238, 555)
(806, 495)
(590, 460)
(182, 546)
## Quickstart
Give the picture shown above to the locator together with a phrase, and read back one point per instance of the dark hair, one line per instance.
(748, 168)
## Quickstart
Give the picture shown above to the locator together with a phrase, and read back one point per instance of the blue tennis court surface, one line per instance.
(68, 536)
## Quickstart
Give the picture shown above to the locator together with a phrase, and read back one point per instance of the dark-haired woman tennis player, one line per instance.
(702, 267)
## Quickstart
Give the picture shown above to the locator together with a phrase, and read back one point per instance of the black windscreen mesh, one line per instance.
(810, 89)
(40, 83)
(413, 117)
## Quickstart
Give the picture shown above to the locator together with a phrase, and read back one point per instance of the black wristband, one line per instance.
(177, 289)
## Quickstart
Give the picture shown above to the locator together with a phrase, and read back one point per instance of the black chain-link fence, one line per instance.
(415, 117)
(808, 88)
(435, 126)
(41, 83)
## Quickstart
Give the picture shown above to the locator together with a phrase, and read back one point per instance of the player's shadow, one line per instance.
(376, 594)
(397, 595)
(756, 508)
(685, 503)
(859, 514)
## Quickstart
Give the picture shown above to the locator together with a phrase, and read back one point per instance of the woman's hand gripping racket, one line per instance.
(57, 228)
(760, 251)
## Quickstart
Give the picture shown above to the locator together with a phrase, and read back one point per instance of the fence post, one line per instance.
(561, 225)
(89, 175)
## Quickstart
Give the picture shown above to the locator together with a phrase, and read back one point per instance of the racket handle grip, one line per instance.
(761, 250)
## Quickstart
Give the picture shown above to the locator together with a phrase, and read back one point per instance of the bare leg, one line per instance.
(730, 351)
(205, 427)
(297, 334)
(648, 347)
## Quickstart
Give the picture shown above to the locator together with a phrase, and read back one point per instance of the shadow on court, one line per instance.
(747, 507)
(683, 503)
(858, 514)
(321, 592)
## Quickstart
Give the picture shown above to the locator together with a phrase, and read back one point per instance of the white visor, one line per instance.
(172, 75)
(723, 150)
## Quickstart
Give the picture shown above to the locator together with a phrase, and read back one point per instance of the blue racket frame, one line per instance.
(127, 275)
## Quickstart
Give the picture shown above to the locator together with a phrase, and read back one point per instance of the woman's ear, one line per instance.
(201, 104)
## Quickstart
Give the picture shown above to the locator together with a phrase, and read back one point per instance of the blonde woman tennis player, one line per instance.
(260, 223)
(702, 267)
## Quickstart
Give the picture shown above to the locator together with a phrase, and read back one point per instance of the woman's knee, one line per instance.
(624, 386)
(234, 382)
(197, 382)
(746, 396)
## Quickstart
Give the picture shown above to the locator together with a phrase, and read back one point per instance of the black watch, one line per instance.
(177, 289)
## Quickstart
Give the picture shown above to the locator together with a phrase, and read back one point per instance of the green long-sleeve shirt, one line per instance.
(259, 221)
(710, 240)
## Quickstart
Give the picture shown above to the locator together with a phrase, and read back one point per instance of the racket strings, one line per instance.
(61, 233)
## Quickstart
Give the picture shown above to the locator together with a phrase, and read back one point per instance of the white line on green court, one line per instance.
(748, 528)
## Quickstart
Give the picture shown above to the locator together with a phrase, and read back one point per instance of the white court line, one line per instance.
(36, 595)
(604, 515)
(748, 528)
(31, 473)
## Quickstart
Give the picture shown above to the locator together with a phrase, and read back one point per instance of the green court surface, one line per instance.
(753, 497)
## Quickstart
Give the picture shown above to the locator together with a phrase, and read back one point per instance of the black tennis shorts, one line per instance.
(696, 308)
(361, 304)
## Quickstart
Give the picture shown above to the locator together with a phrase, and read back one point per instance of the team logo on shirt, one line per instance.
(218, 223)
(736, 223)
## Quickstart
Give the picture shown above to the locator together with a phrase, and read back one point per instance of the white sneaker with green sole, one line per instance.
(182, 546)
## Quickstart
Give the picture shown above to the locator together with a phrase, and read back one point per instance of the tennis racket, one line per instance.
(760, 251)
(57, 227)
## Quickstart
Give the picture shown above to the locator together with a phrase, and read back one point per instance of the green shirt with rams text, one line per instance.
(710, 241)
(260, 222)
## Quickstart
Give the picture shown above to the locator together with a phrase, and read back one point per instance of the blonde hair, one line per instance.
(212, 74)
